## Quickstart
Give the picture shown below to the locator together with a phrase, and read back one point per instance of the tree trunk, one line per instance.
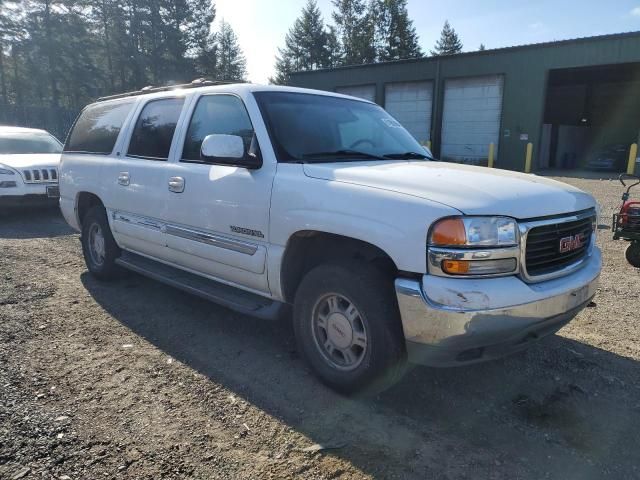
(107, 45)
(55, 96)
(3, 79)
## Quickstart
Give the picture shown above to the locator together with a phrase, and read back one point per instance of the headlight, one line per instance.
(4, 170)
(474, 232)
(474, 246)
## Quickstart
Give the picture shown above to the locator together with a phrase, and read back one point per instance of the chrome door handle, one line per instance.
(176, 184)
(123, 178)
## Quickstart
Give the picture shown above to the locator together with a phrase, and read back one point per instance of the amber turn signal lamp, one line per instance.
(455, 267)
(449, 232)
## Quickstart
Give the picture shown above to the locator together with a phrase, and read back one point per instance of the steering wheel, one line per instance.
(360, 142)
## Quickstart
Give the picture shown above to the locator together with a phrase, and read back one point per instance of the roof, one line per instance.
(492, 51)
(14, 129)
(237, 88)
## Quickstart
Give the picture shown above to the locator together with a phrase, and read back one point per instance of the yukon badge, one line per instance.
(246, 231)
(573, 242)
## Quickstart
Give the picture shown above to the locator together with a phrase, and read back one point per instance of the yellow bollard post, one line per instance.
(527, 161)
(491, 154)
(633, 153)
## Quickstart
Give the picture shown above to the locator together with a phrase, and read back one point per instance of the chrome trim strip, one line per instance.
(188, 234)
(137, 220)
(437, 254)
(525, 227)
(214, 240)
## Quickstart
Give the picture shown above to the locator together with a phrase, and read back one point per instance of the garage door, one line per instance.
(410, 103)
(471, 118)
(367, 92)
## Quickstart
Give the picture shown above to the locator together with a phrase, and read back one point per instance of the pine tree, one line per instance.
(232, 65)
(308, 45)
(202, 42)
(396, 36)
(449, 43)
(355, 26)
(482, 48)
(284, 67)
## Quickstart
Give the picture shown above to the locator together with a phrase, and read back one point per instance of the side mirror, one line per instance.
(229, 150)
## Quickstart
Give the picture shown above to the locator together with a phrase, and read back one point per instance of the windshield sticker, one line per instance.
(391, 122)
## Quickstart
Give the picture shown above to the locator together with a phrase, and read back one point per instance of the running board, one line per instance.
(233, 298)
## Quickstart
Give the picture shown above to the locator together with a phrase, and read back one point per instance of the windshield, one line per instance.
(22, 143)
(318, 128)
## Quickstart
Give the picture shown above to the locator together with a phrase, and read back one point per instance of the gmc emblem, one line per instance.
(568, 244)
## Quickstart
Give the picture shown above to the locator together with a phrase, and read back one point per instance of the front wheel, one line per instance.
(633, 254)
(348, 328)
(98, 246)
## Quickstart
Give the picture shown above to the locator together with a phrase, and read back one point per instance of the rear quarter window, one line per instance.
(96, 129)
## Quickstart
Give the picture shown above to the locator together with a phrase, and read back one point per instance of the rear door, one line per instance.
(139, 177)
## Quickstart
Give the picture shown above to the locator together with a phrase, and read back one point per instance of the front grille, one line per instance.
(40, 175)
(553, 247)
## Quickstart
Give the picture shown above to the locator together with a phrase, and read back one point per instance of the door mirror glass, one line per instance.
(219, 148)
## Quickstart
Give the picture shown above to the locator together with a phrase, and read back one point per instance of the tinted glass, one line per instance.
(154, 129)
(97, 128)
(17, 143)
(303, 125)
(216, 114)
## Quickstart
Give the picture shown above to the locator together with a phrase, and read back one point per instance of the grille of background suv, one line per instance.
(40, 175)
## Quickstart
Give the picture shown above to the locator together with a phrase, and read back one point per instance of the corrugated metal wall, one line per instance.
(524, 69)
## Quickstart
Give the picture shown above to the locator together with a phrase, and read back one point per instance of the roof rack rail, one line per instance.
(200, 82)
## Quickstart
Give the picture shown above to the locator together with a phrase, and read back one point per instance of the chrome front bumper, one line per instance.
(449, 321)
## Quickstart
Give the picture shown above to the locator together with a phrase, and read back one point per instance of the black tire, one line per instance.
(96, 218)
(633, 254)
(383, 361)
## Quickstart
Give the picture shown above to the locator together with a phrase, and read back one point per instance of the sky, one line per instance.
(262, 24)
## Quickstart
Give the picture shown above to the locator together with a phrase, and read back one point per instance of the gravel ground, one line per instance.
(133, 379)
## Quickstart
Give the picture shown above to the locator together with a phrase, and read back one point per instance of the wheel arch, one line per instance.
(306, 249)
(84, 202)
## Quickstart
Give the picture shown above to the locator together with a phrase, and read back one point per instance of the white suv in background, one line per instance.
(262, 198)
(29, 161)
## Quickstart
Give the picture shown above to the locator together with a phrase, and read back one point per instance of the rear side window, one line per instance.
(153, 133)
(216, 114)
(96, 129)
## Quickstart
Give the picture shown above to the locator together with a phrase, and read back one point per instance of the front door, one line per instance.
(217, 217)
(139, 179)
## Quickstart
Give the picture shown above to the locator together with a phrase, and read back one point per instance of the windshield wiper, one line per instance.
(345, 153)
(408, 156)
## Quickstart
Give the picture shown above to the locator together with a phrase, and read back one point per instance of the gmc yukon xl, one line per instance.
(266, 199)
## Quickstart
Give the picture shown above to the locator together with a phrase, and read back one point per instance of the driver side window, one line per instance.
(216, 114)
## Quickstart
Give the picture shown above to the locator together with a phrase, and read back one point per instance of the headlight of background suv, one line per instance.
(474, 246)
(4, 170)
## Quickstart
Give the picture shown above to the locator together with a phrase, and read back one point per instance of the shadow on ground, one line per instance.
(25, 223)
(562, 409)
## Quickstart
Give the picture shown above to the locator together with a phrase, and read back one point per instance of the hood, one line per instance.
(472, 190)
(29, 160)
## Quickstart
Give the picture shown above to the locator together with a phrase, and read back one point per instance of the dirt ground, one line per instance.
(136, 380)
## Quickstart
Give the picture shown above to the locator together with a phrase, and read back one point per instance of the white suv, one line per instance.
(260, 198)
(29, 160)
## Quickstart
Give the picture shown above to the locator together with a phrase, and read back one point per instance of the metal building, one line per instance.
(577, 101)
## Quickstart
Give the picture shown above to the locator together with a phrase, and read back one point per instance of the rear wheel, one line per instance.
(348, 327)
(98, 246)
(633, 254)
